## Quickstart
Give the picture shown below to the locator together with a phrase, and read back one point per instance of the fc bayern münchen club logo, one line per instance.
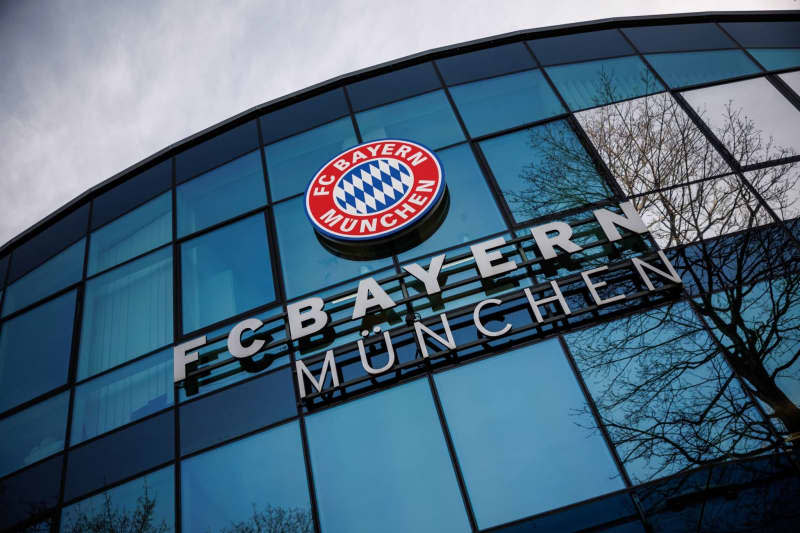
(374, 190)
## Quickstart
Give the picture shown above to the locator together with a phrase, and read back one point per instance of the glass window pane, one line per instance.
(468, 195)
(226, 272)
(784, 33)
(35, 350)
(307, 264)
(143, 229)
(766, 490)
(32, 253)
(226, 415)
(392, 448)
(677, 37)
(131, 193)
(56, 273)
(29, 493)
(484, 402)
(149, 500)
(220, 194)
(668, 399)
(601, 82)
(427, 119)
(700, 211)
(485, 63)
(215, 151)
(650, 143)
(580, 47)
(776, 58)
(779, 186)
(792, 79)
(38, 432)
(751, 118)
(761, 325)
(543, 170)
(117, 398)
(124, 453)
(303, 115)
(691, 68)
(127, 312)
(257, 480)
(292, 162)
(393, 86)
(500, 103)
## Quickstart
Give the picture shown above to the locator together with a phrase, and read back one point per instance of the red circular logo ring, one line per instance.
(374, 190)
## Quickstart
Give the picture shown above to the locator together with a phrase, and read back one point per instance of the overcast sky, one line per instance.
(90, 88)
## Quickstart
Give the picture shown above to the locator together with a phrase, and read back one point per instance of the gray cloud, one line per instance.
(90, 88)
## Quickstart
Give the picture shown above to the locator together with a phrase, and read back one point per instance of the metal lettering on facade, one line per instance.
(308, 316)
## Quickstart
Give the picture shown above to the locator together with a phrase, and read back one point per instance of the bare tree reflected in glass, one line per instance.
(662, 379)
(271, 519)
(112, 518)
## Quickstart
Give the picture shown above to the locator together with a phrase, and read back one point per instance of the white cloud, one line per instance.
(90, 88)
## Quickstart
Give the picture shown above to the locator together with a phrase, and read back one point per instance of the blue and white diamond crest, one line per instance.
(373, 186)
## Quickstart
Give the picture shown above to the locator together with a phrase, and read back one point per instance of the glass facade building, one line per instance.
(634, 402)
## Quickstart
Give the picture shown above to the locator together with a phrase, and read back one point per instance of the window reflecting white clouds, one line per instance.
(751, 118)
(650, 143)
(700, 211)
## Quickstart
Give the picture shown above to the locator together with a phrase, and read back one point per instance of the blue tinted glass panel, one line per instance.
(691, 68)
(500, 103)
(114, 399)
(152, 496)
(540, 169)
(427, 119)
(30, 492)
(38, 432)
(127, 312)
(229, 414)
(62, 270)
(485, 63)
(776, 58)
(226, 272)
(678, 37)
(600, 82)
(484, 403)
(668, 399)
(792, 79)
(580, 47)
(765, 34)
(223, 193)
(303, 115)
(769, 311)
(472, 212)
(307, 264)
(124, 453)
(393, 86)
(292, 162)
(131, 193)
(50, 241)
(217, 150)
(35, 349)
(255, 480)
(392, 448)
(141, 230)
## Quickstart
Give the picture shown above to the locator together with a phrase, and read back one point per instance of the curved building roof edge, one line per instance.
(435, 53)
